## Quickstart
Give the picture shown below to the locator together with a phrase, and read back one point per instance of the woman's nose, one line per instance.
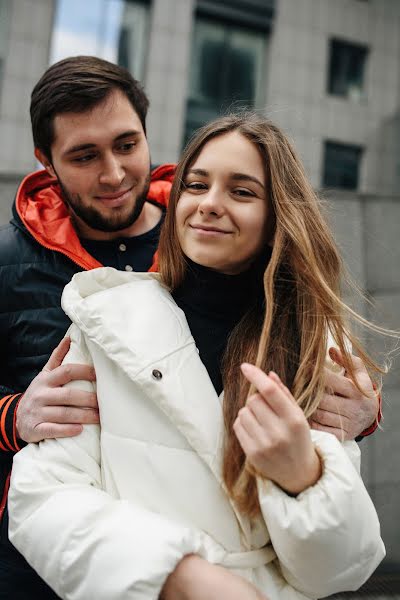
(211, 202)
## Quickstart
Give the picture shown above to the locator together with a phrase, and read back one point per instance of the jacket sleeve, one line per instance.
(83, 542)
(8, 411)
(327, 539)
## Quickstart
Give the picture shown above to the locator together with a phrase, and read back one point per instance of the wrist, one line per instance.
(311, 474)
(16, 420)
(377, 419)
(15, 437)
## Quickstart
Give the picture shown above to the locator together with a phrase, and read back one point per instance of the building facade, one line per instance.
(326, 71)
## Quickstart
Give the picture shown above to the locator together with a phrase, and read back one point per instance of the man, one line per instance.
(95, 204)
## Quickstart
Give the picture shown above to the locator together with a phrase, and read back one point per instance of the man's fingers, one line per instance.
(70, 414)
(68, 396)
(331, 419)
(335, 404)
(358, 364)
(58, 355)
(340, 434)
(71, 372)
(339, 384)
(57, 430)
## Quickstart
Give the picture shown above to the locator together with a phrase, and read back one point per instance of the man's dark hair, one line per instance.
(77, 84)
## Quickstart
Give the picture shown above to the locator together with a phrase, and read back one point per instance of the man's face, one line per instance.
(101, 159)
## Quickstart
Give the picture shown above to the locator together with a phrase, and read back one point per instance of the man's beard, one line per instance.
(93, 217)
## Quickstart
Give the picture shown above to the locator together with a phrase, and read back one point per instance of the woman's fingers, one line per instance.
(275, 377)
(279, 400)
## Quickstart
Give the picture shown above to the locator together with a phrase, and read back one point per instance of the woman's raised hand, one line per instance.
(275, 435)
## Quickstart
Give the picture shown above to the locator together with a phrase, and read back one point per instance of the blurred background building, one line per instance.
(327, 71)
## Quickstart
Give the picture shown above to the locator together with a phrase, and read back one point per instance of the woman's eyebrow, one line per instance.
(244, 177)
(234, 176)
(201, 172)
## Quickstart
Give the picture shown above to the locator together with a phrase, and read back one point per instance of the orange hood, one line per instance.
(43, 212)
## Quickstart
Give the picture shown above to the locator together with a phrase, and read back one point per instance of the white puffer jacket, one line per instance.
(109, 514)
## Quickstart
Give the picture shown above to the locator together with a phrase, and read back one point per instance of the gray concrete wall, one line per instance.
(8, 188)
(367, 229)
(297, 81)
(167, 76)
(29, 32)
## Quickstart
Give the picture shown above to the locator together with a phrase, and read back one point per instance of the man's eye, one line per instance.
(127, 147)
(83, 159)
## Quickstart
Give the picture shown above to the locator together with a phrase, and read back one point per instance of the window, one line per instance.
(346, 69)
(116, 30)
(226, 71)
(341, 165)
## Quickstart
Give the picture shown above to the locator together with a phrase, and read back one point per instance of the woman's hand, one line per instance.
(196, 579)
(275, 435)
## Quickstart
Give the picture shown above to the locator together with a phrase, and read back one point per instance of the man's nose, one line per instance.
(112, 172)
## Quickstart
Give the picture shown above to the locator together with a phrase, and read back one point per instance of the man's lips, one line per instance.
(114, 195)
(115, 199)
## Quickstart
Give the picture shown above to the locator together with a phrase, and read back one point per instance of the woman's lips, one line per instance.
(205, 230)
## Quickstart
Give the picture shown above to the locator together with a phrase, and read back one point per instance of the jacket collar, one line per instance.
(40, 207)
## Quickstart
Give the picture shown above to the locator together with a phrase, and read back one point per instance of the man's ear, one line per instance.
(42, 158)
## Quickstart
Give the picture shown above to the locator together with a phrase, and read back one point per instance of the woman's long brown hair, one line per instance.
(302, 291)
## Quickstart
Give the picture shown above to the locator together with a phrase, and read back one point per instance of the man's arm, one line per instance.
(344, 411)
(47, 409)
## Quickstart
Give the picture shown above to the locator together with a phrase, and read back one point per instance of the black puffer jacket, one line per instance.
(39, 253)
(31, 319)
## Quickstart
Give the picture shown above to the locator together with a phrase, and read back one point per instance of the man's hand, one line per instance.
(47, 409)
(196, 579)
(344, 411)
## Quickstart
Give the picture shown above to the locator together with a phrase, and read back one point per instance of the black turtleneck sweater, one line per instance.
(214, 303)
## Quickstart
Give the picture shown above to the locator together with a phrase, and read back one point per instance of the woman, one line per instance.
(177, 473)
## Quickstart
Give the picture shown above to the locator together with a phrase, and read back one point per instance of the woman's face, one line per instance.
(222, 212)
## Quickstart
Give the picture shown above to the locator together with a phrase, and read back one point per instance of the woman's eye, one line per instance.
(195, 186)
(243, 192)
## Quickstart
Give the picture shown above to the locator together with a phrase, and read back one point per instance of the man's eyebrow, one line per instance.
(121, 136)
(79, 147)
(130, 133)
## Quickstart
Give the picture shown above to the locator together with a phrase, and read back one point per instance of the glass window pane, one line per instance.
(346, 69)
(112, 29)
(226, 71)
(341, 165)
(208, 55)
(245, 67)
